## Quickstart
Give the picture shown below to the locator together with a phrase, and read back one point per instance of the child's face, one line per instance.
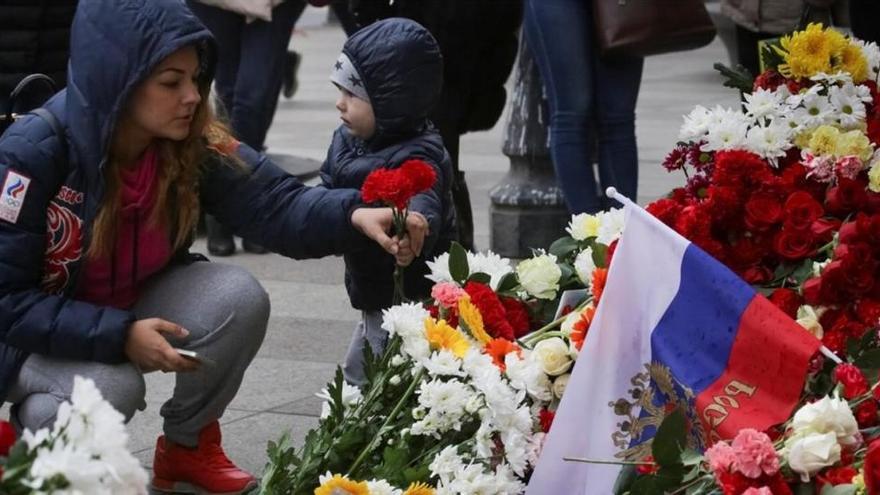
(356, 114)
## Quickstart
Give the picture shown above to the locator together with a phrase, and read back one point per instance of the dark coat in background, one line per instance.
(34, 37)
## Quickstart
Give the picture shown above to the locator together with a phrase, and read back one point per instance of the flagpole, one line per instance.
(612, 193)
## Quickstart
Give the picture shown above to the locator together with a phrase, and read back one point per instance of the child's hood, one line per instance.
(402, 70)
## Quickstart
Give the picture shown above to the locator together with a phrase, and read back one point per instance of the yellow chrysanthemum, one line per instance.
(854, 143)
(442, 336)
(823, 141)
(419, 489)
(802, 139)
(853, 61)
(810, 51)
(340, 485)
(472, 320)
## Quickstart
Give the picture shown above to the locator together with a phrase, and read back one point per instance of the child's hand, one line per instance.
(416, 229)
(376, 222)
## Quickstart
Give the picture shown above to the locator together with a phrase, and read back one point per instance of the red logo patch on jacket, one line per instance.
(63, 246)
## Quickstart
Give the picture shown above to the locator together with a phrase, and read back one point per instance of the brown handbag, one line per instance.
(649, 27)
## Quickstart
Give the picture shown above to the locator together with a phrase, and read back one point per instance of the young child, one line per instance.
(389, 76)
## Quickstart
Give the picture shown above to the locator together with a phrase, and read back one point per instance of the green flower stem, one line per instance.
(399, 230)
(547, 335)
(391, 417)
(537, 334)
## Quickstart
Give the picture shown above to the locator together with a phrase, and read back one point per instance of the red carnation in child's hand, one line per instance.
(395, 187)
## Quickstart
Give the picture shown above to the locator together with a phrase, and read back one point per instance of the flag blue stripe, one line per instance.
(696, 333)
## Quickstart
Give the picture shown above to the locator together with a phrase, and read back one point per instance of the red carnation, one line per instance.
(493, 312)
(517, 315)
(420, 174)
(395, 187)
(872, 467)
(866, 414)
(841, 475)
(665, 210)
(852, 379)
(545, 416)
(7, 437)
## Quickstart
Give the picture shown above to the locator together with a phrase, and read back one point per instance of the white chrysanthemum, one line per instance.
(696, 124)
(611, 225)
(408, 321)
(516, 449)
(763, 103)
(583, 226)
(441, 407)
(351, 396)
(832, 79)
(770, 141)
(726, 135)
(872, 54)
(584, 266)
(526, 374)
(382, 487)
(446, 463)
(536, 445)
(816, 110)
(539, 275)
(506, 482)
(443, 363)
(439, 267)
(847, 105)
(474, 479)
(491, 264)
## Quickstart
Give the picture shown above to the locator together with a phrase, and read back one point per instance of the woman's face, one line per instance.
(163, 106)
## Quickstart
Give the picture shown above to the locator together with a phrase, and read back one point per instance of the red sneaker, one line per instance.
(204, 470)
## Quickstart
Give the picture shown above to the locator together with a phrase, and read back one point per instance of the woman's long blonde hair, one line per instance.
(180, 167)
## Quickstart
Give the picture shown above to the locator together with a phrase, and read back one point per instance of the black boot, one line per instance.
(220, 241)
(252, 247)
(291, 66)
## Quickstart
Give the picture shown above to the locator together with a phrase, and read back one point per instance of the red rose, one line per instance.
(748, 251)
(868, 311)
(757, 274)
(869, 227)
(847, 196)
(793, 245)
(517, 315)
(545, 416)
(7, 437)
(493, 312)
(812, 290)
(835, 341)
(762, 212)
(801, 210)
(872, 467)
(787, 300)
(852, 379)
(823, 229)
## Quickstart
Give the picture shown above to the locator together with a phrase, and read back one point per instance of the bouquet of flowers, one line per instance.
(84, 452)
(787, 194)
(462, 398)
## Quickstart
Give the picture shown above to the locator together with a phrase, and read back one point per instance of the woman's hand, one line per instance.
(375, 224)
(147, 347)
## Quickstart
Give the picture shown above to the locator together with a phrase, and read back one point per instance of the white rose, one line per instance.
(808, 317)
(582, 226)
(584, 266)
(553, 355)
(810, 453)
(540, 275)
(567, 325)
(829, 415)
(559, 385)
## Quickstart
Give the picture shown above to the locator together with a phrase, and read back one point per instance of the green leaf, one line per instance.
(458, 264)
(803, 272)
(669, 476)
(564, 247)
(508, 282)
(668, 443)
(600, 254)
(691, 457)
(739, 78)
(869, 359)
(625, 479)
(483, 278)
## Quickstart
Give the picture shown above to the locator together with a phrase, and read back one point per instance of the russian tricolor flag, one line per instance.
(674, 328)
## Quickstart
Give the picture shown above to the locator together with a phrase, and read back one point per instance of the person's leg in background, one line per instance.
(864, 16)
(226, 325)
(227, 29)
(558, 34)
(617, 82)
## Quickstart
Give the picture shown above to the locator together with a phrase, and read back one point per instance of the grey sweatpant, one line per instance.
(368, 330)
(226, 312)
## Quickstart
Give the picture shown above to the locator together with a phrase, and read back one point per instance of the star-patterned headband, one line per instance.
(345, 75)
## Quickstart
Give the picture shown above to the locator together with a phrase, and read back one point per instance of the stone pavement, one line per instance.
(311, 319)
